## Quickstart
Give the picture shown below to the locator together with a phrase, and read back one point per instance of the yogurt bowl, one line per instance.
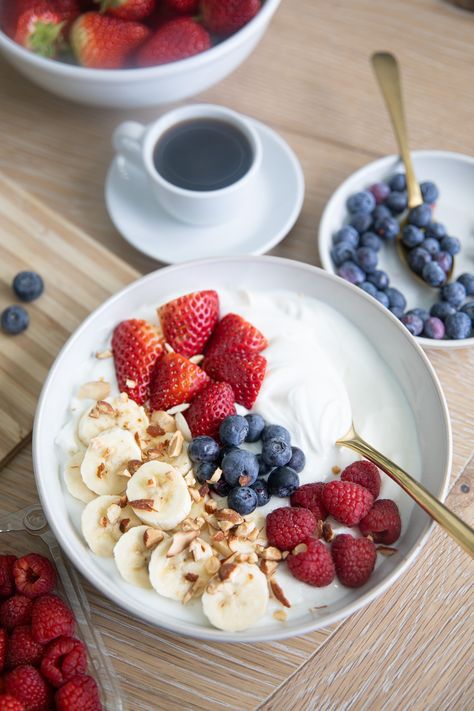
(359, 361)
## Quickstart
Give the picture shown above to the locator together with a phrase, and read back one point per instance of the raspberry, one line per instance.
(27, 685)
(382, 522)
(7, 583)
(309, 497)
(3, 648)
(63, 659)
(15, 611)
(34, 575)
(354, 559)
(9, 703)
(78, 694)
(313, 565)
(287, 526)
(51, 618)
(346, 501)
(23, 649)
(364, 473)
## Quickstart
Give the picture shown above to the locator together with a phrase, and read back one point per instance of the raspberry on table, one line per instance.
(7, 582)
(34, 575)
(51, 618)
(22, 648)
(364, 473)
(354, 559)
(313, 564)
(288, 526)
(64, 658)
(347, 501)
(309, 496)
(81, 692)
(15, 611)
(27, 685)
(382, 522)
(9, 703)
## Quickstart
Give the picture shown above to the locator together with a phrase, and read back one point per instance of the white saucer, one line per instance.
(142, 222)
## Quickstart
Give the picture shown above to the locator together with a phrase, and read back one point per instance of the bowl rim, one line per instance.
(180, 627)
(162, 70)
(380, 164)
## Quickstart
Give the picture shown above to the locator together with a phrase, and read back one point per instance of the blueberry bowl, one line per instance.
(393, 284)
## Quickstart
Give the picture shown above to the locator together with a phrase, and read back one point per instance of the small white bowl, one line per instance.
(150, 86)
(453, 173)
(405, 362)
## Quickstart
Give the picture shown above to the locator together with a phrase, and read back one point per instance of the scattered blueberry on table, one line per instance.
(27, 286)
(14, 320)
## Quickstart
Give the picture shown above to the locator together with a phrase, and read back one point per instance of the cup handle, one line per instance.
(127, 141)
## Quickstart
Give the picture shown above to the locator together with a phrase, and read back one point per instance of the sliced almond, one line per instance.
(183, 426)
(156, 452)
(102, 355)
(222, 548)
(328, 533)
(226, 570)
(199, 549)
(212, 565)
(219, 536)
(176, 444)
(196, 359)
(215, 477)
(155, 430)
(133, 465)
(143, 504)
(161, 419)
(113, 513)
(210, 506)
(189, 524)
(180, 542)
(152, 537)
(190, 479)
(169, 348)
(191, 577)
(102, 407)
(95, 390)
(178, 408)
(280, 615)
(253, 535)
(240, 545)
(229, 515)
(194, 494)
(268, 567)
(300, 548)
(387, 550)
(270, 553)
(225, 526)
(245, 529)
(123, 501)
(123, 525)
(278, 593)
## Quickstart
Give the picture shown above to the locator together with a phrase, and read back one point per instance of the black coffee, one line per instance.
(203, 154)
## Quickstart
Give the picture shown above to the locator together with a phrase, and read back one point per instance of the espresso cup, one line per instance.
(136, 144)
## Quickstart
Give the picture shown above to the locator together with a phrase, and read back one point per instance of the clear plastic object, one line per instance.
(27, 531)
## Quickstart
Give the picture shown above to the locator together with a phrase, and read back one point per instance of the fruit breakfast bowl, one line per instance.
(332, 353)
(140, 86)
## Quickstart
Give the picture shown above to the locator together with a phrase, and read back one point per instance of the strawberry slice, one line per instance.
(175, 380)
(188, 321)
(210, 406)
(244, 371)
(235, 333)
(136, 346)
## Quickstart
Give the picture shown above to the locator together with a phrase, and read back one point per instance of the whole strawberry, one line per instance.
(225, 18)
(243, 371)
(136, 347)
(34, 575)
(354, 559)
(127, 9)
(9, 703)
(27, 685)
(189, 320)
(40, 29)
(22, 648)
(382, 522)
(288, 526)
(64, 658)
(309, 496)
(177, 39)
(51, 618)
(103, 42)
(175, 380)
(209, 408)
(346, 501)
(235, 333)
(78, 694)
(182, 7)
(7, 582)
(364, 473)
(311, 563)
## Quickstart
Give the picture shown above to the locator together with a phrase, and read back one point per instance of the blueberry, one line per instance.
(283, 481)
(421, 313)
(397, 202)
(370, 239)
(28, 286)
(272, 431)
(225, 450)
(346, 234)
(233, 430)
(417, 259)
(367, 259)
(342, 252)
(420, 216)
(435, 229)
(221, 487)
(203, 449)
(263, 468)
(451, 245)
(387, 228)
(361, 202)
(379, 279)
(14, 320)
(454, 293)
(396, 298)
(413, 323)
(298, 460)
(380, 212)
(445, 261)
(431, 245)
(467, 280)
(429, 191)
(441, 310)
(412, 236)
(361, 221)
(398, 182)
(383, 298)
(240, 466)
(256, 425)
(434, 328)
(204, 470)
(469, 310)
(242, 499)
(261, 489)
(368, 287)
(433, 274)
(276, 452)
(380, 191)
(396, 311)
(458, 326)
(351, 272)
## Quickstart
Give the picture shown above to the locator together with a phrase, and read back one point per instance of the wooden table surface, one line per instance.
(310, 80)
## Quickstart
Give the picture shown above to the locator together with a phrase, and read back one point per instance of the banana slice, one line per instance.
(159, 495)
(73, 479)
(106, 457)
(180, 576)
(170, 448)
(237, 602)
(104, 521)
(132, 554)
(104, 414)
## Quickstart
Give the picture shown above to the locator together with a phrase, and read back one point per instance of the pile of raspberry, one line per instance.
(352, 501)
(42, 665)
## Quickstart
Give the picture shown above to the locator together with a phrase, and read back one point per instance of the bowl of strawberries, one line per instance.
(127, 53)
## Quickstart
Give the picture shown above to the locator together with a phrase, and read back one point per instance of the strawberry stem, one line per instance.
(45, 38)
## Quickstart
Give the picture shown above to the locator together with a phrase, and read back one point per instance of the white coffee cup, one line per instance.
(136, 143)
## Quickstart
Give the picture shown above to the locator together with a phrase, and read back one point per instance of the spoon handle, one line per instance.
(452, 524)
(387, 73)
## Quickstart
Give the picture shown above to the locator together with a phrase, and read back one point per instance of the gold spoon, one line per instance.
(387, 73)
(452, 524)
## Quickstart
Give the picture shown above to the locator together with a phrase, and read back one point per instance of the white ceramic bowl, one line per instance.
(403, 357)
(454, 175)
(150, 86)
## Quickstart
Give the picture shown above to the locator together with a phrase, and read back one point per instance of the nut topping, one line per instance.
(133, 465)
(387, 550)
(152, 537)
(300, 548)
(102, 407)
(226, 570)
(229, 515)
(175, 445)
(103, 521)
(123, 525)
(268, 567)
(191, 577)
(113, 513)
(100, 471)
(95, 390)
(328, 533)
(165, 422)
(180, 542)
(143, 504)
(270, 553)
(155, 430)
(102, 355)
(278, 593)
